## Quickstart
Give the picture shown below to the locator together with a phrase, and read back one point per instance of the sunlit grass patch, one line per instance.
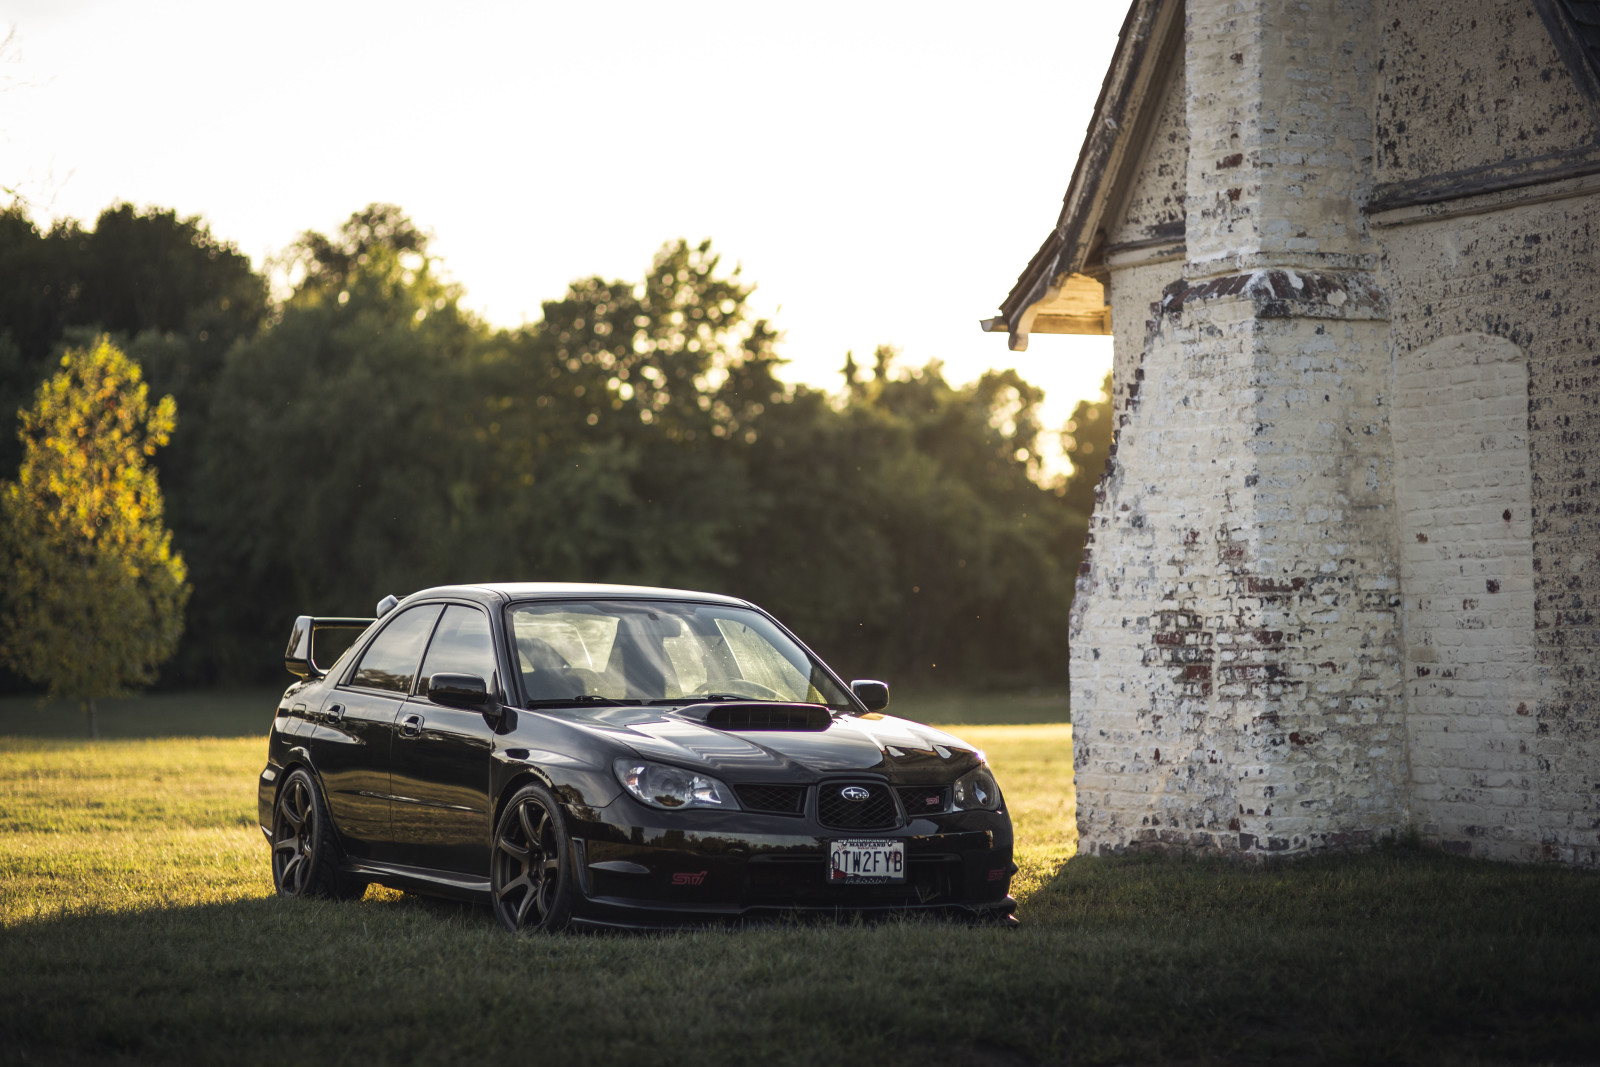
(127, 824)
(44, 875)
(51, 785)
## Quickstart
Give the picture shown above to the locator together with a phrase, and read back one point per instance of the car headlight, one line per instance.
(977, 791)
(672, 788)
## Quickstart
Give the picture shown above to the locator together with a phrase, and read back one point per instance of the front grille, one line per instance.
(924, 799)
(875, 812)
(773, 799)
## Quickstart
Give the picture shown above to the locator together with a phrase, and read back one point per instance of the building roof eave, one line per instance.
(1065, 252)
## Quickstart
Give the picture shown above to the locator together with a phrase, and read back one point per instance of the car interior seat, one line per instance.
(546, 675)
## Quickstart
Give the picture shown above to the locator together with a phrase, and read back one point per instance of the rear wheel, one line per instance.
(530, 874)
(305, 854)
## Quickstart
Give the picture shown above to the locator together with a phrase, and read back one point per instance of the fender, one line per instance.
(295, 757)
(579, 786)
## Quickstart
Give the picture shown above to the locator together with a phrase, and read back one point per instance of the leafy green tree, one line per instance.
(94, 597)
(907, 533)
(376, 438)
(625, 418)
(170, 294)
(136, 274)
(341, 447)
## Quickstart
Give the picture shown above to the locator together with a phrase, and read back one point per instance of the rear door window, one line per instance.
(390, 662)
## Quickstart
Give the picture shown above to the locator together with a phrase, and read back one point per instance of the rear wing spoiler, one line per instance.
(301, 656)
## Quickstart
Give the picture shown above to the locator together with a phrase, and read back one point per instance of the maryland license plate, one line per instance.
(866, 861)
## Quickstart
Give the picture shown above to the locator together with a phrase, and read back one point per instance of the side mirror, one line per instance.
(458, 690)
(875, 695)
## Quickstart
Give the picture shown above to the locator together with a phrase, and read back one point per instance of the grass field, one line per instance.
(136, 924)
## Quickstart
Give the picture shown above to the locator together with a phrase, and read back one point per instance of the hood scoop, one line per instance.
(758, 715)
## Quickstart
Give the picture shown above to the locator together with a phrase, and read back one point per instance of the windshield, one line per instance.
(605, 651)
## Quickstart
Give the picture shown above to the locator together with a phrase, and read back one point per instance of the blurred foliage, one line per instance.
(94, 597)
(908, 537)
(367, 435)
(169, 294)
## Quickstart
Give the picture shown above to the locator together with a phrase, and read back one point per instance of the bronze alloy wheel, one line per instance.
(305, 857)
(530, 875)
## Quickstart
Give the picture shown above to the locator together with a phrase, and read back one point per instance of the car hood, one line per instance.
(897, 748)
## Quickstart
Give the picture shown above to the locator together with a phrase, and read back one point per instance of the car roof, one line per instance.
(507, 591)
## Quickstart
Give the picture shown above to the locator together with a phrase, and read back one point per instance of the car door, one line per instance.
(440, 758)
(351, 741)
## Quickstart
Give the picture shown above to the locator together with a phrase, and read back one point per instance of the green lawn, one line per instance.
(136, 923)
(231, 713)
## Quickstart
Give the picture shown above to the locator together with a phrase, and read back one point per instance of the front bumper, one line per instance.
(709, 868)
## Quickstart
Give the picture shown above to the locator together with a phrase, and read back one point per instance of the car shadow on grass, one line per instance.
(1391, 957)
(398, 978)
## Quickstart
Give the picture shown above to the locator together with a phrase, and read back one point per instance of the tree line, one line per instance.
(366, 434)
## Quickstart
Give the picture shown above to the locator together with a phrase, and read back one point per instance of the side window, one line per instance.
(461, 645)
(390, 662)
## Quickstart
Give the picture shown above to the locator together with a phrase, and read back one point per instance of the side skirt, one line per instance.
(420, 879)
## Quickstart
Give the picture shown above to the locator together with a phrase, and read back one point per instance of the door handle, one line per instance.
(335, 712)
(411, 726)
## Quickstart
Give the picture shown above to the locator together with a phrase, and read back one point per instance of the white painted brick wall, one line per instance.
(1522, 275)
(1345, 575)
(1465, 489)
(1236, 674)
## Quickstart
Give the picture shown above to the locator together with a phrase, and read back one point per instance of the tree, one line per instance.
(907, 534)
(94, 594)
(375, 438)
(171, 295)
(625, 419)
(341, 445)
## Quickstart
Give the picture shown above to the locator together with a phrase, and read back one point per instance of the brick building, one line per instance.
(1344, 569)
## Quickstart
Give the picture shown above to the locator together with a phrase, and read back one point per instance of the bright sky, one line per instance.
(882, 171)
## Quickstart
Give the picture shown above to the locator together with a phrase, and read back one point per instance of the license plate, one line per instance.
(866, 861)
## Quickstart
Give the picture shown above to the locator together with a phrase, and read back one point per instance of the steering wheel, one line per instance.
(738, 687)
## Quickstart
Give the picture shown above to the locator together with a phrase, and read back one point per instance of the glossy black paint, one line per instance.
(414, 786)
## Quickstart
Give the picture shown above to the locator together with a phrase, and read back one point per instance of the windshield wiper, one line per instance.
(712, 698)
(578, 701)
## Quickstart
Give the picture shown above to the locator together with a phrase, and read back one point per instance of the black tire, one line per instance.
(530, 872)
(305, 853)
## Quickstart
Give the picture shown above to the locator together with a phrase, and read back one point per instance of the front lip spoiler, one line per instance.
(648, 920)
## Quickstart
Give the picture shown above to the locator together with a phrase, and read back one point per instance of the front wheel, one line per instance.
(530, 874)
(305, 855)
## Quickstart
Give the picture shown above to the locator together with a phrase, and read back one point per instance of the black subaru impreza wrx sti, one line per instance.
(616, 756)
